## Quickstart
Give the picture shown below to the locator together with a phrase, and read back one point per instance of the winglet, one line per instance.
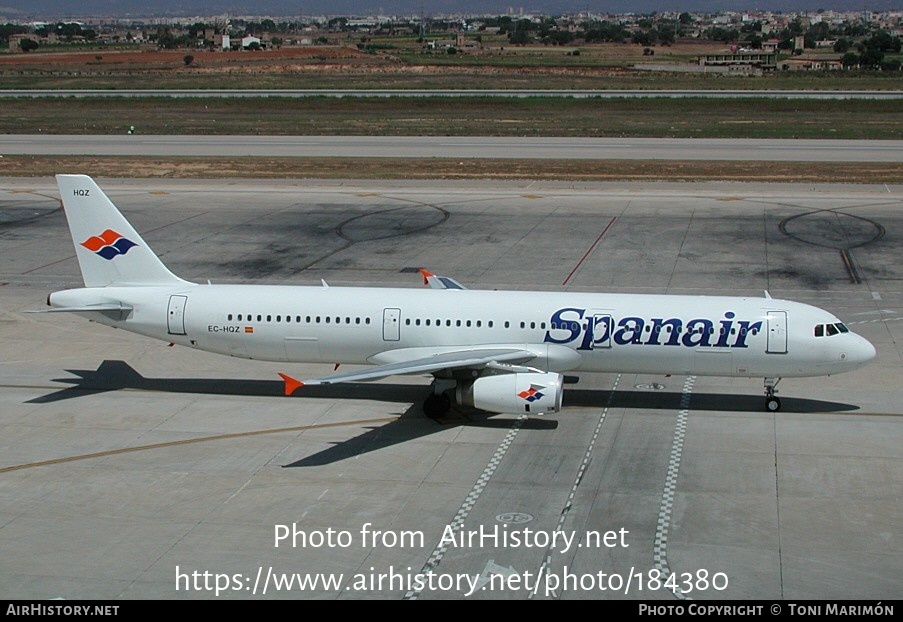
(439, 282)
(291, 385)
(426, 276)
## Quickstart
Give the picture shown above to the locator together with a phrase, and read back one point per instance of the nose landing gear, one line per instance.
(772, 403)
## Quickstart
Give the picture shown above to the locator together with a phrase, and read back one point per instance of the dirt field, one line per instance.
(160, 59)
(440, 168)
(344, 66)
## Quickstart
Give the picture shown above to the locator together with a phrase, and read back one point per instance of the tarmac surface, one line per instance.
(134, 470)
(710, 149)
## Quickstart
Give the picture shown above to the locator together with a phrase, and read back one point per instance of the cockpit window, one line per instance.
(822, 330)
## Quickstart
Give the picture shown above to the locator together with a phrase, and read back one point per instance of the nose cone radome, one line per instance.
(858, 352)
(863, 352)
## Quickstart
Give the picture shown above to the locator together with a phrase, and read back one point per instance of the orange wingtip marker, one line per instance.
(291, 385)
(426, 275)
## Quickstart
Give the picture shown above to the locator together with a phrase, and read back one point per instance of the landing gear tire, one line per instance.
(436, 405)
(772, 403)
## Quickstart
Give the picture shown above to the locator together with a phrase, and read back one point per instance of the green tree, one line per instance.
(850, 59)
(27, 45)
(666, 34)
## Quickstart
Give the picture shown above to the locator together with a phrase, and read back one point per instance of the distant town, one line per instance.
(825, 40)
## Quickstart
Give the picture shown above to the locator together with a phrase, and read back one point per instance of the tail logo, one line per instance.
(108, 244)
(532, 394)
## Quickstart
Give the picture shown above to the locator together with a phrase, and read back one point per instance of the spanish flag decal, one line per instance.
(249, 329)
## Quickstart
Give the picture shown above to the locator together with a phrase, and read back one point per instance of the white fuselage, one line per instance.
(655, 334)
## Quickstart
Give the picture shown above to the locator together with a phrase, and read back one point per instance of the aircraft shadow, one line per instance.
(114, 375)
(412, 424)
(670, 400)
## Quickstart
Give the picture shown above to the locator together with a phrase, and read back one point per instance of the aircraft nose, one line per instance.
(862, 351)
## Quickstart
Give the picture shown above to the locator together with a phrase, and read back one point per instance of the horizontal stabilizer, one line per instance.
(115, 310)
(84, 309)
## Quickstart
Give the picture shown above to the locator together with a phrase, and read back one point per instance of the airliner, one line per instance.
(499, 351)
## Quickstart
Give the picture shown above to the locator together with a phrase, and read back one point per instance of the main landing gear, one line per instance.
(436, 405)
(438, 402)
(772, 403)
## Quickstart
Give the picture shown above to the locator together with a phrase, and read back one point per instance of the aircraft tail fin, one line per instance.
(109, 250)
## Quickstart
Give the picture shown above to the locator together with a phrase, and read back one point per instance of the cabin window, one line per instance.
(523, 325)
(229, 317)
(259, 318)
(507, 324)
(328, 319)
(489, 324)
(278, 318)
(479, 323)
(468, 323)
(357, 320)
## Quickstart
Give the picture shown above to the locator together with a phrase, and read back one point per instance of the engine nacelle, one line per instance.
(535, 393)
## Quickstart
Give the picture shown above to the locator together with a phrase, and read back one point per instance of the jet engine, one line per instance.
(534, 392)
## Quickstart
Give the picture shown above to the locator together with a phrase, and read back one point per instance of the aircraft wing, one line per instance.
(439, 282)
(446, 360)
(423, 364)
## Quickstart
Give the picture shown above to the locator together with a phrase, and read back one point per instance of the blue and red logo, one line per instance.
(532, 394)
(108, 244)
